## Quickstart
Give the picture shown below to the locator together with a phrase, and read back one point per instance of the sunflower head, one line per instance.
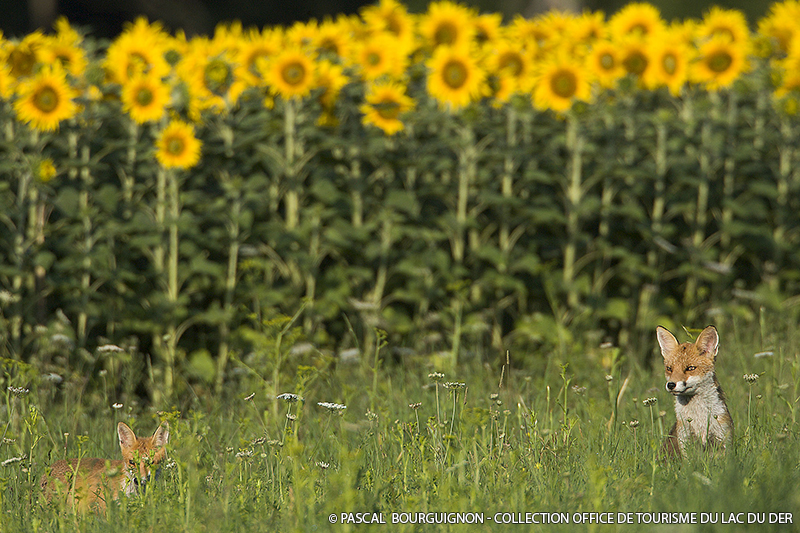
(145, 98)
(46, 170)
(447, 24)
(46, 99)
(636, 19)
(291, 73)
(726, 23)
(560, 83)
(604, 63)
(385, 104)
(720, 62)
(455, 79)
(177, 146)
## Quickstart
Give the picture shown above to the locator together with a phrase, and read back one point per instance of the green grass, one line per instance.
(569, 434)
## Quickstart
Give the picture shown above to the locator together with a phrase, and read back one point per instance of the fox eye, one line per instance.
(690, 368)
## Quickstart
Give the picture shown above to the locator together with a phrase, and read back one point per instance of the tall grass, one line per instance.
(581, 434)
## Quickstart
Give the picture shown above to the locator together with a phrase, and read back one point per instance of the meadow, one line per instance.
(580, 434)
(401, 263)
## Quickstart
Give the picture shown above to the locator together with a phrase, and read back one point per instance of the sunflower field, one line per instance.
(447, 182)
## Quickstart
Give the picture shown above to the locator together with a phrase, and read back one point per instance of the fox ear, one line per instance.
(126, 435)
(161, 436)
(708, 341)
(666, 341)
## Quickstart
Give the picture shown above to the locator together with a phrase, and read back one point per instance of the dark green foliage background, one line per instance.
(499, 228)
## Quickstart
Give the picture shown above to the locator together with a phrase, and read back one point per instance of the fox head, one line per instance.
(690, 365)
(141, 454)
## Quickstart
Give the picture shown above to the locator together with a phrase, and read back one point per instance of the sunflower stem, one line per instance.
(88, 244)
(292, 194)
(574, 195)
(233, 190)
(23, 183)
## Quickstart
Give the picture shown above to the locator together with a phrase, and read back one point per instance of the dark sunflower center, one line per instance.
(670, 64)
(512, 63)
(454, 74)
(389, 109)
(635, 63)
(719, 62)
(564, 84)
(393, 24)
(607, 62)
(144, 96)
(217, 75)
(293, 73)
(725, 32)
(22, 62)
(373, 59)
(46, 99)
(175, 146)
(446, 33)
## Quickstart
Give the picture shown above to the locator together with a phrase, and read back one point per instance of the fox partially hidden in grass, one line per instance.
(700, 408)
(86, 483)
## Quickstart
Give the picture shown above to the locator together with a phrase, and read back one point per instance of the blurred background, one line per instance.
(106, 18)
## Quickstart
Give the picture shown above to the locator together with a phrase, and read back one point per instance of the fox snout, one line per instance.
(676, 387)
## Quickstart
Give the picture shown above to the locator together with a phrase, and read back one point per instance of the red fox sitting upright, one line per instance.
(700, 408)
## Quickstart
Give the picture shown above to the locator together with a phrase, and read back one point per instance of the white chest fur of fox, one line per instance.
(700, 408)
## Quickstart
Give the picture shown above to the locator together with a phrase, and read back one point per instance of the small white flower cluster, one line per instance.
(289, 397)
(454, 385)
(332, 406)
(18, 391)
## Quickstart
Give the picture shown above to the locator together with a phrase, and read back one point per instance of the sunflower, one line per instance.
(45, 99)
(46, 170)
(634, 57)
(390, 16)
(333, 39)
(668, 62)
(381, 54)
(331, 79)
(145, 98)
(302, 34)
(290, 73)
(560, 82)
(177, 147)
(510, 68)
(728, 23)
(447, 24)
(604, 62)
(209, 70)
(781, 23)
(138, 50)
(454, 77)
(555, 29)
(787, 71)
(639, 19)
(255, 47)
(487, 28)
(589, 28)
(720, 62)
(65, 47)
(385, 103)
(7, 82)
(24, 56)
